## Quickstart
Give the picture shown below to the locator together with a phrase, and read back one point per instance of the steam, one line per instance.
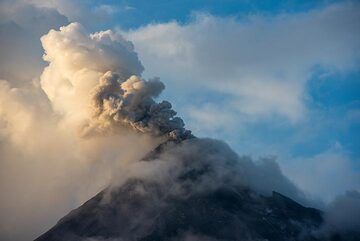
(213, 164)
(105, 65)
(77, 61)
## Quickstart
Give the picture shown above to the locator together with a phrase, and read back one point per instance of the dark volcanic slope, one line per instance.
(225, 214)
(190, 191)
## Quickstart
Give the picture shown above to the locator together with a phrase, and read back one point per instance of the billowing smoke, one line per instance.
(95, 79)
(131, 103)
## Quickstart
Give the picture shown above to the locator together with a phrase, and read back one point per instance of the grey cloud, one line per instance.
(343, 214)
(21, 26)
(212, 164)
(131, 103)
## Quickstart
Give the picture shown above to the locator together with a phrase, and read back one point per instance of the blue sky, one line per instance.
(272, 78)
(133, 14)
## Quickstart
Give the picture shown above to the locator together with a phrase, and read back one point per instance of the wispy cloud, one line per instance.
(324, 175)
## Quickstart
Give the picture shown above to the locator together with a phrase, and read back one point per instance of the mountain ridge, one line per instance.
(194, 190)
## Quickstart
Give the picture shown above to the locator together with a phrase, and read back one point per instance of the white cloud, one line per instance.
(324, 175)
(91, 14)
(210, 118)
(262, 62)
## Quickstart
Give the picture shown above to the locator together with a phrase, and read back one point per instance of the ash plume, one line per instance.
(130, 103)
(99, 75)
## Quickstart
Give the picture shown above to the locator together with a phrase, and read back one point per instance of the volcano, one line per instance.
(146, 209)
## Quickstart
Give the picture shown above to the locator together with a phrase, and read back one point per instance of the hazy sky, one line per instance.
(271, 79)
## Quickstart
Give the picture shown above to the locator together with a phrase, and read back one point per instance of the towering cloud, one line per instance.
(96, 79)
